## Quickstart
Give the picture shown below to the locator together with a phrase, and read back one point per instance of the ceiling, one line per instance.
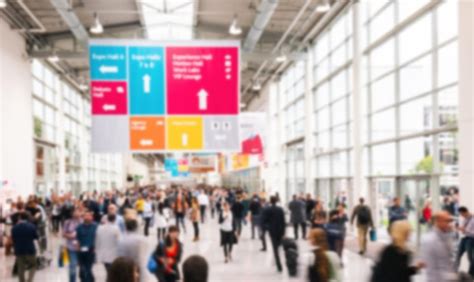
(45, 28)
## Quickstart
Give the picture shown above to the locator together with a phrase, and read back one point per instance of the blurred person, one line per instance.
(195, 217)
(56, 215)
(255, 209)
(427, 213)
(180, 206)
(325, 265)
(24, 234)
(168, 254)
(106, 241)
(140, 205)
(195, 269)
(227, 231)
(363, 216)
(85, 235)
(335, 233)
(394, 262)
(298, 216)
(238, 214)
(119, 221)
(133, 245)
(203, 200)
(161, 221)
(396, 212)
(467, 242)
(310, 204)
(319, 216)
(147, 214)
(437, 250)
(123, 270)
(274, 221)
(69, 233)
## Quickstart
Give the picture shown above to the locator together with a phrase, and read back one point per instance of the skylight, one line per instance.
(168, 19)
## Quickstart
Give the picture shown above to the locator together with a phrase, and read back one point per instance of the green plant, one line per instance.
(425, 165)
(38, 127)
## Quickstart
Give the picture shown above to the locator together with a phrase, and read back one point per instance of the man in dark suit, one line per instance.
(298, 215)
(273, 219)
(24, 234)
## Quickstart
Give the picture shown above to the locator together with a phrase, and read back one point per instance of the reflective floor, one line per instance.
(249, 263)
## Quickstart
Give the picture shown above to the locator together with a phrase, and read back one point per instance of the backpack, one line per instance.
(363, 216)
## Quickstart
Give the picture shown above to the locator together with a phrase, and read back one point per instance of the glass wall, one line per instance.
(62, 128)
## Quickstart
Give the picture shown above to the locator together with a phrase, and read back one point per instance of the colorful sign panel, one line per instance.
(202, 164)
(177, 168)
(252, 132)
(159, 96)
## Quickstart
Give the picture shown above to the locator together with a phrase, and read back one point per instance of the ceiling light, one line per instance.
(83, 87)
(257, 86)
(53, 58)
(97, 28)
(3, 3)
(234, 28)
(281, 58)
(323, 7)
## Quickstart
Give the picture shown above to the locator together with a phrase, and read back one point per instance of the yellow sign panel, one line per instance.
(240, 161)
(184, 133)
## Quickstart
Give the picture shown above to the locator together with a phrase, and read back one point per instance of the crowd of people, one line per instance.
(110, 228)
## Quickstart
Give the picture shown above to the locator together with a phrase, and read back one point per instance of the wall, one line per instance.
(16, 123)
(137, 166)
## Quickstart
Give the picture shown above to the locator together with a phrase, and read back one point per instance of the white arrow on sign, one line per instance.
(184, 139)
(108, 107)
(108, 69)
(202, 95)
(146, 83)
(146, 142)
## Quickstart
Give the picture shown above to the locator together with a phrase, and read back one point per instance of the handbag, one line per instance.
(152, 265)
(63, 257)
(373, 234)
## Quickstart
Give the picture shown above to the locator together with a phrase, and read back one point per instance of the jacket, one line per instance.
(297, 211)
(393, 266)
(106, 242)
(273, 220)
(437, 253)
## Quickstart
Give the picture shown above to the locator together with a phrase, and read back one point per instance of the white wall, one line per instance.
(16, 122)
(137, 166)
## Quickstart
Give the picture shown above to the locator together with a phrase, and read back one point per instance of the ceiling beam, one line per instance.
(70, 18)
(264, 14)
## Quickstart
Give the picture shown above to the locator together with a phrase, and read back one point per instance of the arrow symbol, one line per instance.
(146, 142)
(202, 95)
(108, 107)
(108, 69)
(146, 83)
(184, 139)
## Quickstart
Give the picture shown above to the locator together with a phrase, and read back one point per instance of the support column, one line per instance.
(61, 150)
(358, 187)
(308, 123)
(466, 102)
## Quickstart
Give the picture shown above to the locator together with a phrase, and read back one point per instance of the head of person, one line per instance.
(88, 217)
(173, 232)
(400, 233)
(226, 206)
(333, 215)
(396, 201)
(131, 225)
(442, 221)
(361, 201)
(340, 208)
(317, 238)
(195, 202)
(464, 212)
(195, 269)
(112, 209)
(24, 216)
(123, 270)
(295, 197)
(273, 200)
(76, 214)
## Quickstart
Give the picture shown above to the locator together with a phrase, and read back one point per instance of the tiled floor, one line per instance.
(249, 263)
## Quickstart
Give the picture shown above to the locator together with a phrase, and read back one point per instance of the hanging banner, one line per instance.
(202, 164)
(252, 132)
(158, 96)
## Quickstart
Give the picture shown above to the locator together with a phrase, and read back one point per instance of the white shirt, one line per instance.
(106, 242)
(203, 199)
(148, 209)
(226, 225)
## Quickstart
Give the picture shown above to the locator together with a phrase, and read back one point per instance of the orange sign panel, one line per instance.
(147, 133)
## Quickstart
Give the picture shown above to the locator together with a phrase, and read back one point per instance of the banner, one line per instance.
(202, 164)
(177, 168)
(154, 96)
(252, 133)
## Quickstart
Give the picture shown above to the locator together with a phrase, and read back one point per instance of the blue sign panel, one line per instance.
(147, 80)
(108, 62)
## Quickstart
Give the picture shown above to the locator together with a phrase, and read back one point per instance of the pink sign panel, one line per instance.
(109, 97)
(202, 80)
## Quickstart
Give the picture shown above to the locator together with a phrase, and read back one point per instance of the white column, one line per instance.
(308, 124)
(466, 102)
(61, 150)
(358, 187)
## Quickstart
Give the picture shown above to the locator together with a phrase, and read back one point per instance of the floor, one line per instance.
(249, 263)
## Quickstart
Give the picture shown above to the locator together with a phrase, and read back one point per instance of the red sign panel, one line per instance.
(202, 80)
(109, 97)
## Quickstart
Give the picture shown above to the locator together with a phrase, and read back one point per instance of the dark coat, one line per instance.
(273, 220)
(393, 266)
(297, 211)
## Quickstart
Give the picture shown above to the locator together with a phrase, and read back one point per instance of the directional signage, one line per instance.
(165, 96)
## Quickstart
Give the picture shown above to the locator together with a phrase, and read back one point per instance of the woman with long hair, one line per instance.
(394, 261)
(319, 216)
(168, 255)
(227, 231)
(123, 270)
(325, 265)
